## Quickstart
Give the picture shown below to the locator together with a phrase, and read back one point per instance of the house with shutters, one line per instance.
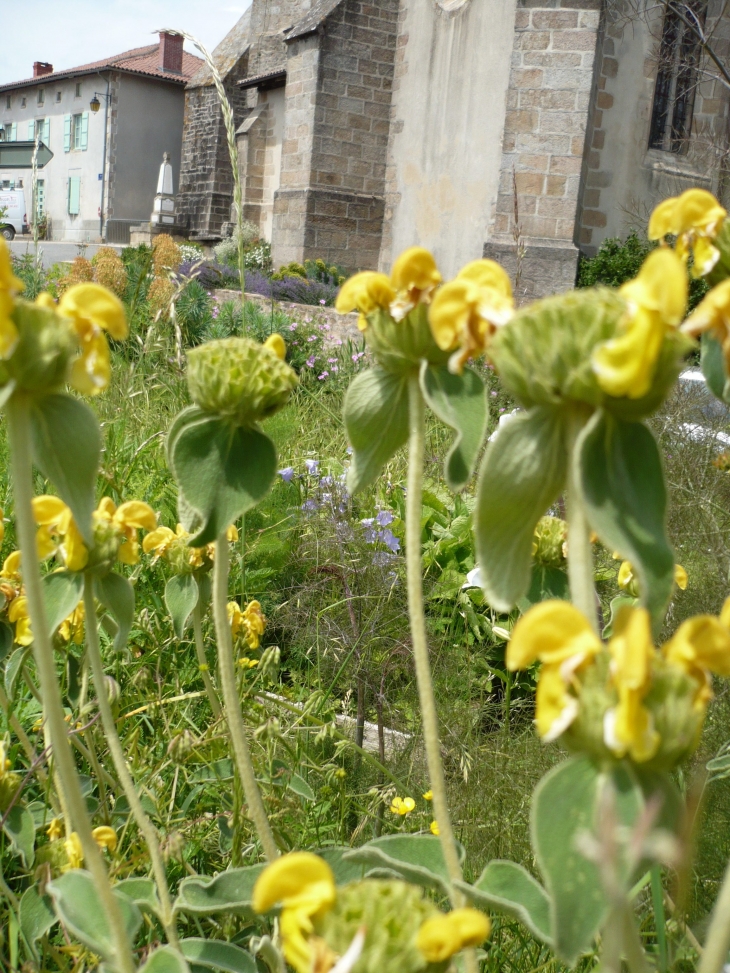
(108, 124)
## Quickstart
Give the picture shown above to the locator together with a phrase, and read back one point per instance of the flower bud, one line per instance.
(547, 542)
(113, 690)
(42, 357)
(181, 745)
(400, 346)
(269, 663)
(239, 380)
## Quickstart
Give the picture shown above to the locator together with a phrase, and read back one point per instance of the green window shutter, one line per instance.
(84, 131)
(74, 195)
(66, 133)
(31, 131)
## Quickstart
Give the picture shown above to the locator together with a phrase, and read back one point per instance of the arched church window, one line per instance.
(677, 75)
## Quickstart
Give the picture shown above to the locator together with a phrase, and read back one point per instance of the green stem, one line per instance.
(417, 419)
(232, 704)
(633, 947)
(120, 764)
(19, 436)
(580, 554)
(203, 662)
(657, 896)
(717, 942)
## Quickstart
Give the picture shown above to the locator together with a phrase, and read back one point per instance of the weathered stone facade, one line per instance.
(472, 127)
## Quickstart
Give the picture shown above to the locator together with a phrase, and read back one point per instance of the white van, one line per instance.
(13, 217)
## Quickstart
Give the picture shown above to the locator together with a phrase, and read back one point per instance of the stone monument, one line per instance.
(163, 210)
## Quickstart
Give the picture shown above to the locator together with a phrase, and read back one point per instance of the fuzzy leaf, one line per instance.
(36, 915)
(461, 402)
(117, 595)
(522, 473)
(141, 891)
(66, 449)
(181, 597)
(222, 471)
(14, 667)
(510, 889)
(376, 419)
(62, 591)
(6, 640)
(231, 891)
(165, 959)
(417, 858)
(301, 787)
(621, 476)
(19, 827)
(712, 362)
(217, 955)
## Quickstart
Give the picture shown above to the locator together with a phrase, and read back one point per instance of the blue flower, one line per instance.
(390, 540)
(384, 518)
(287, 474)
(312, 466)
(310, 506)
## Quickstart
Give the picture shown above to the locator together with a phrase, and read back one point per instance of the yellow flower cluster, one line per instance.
(561, 638)
(304, 886)
(104, 836)
(247, 624)
(173, 547)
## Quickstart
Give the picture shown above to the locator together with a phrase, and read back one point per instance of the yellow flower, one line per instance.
(365, 292)
(11, 567)
(57, 531)
(92, 310)
(442, 936)
(276, 344)
(19, 615)
(415, 277)
(159, 540)
(681, 578)
(428, 796)
(249, 624)
(657, 298)
(71, 628)
(402, 805)
(434, 828)
(713, 314)
(127, 519)
(629, 727)
(304, 885)
(627, 579)
(466, 311)
(54, 830)
(695, 218)
(74, 851)
(559, 636)
(700, 646)
(5, 764)
(246, 663)
(10, 285)
(105, 837)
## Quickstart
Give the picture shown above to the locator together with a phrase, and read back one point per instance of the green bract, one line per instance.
(239, 380)
(401, 346)
(543, 355)
(46, 345)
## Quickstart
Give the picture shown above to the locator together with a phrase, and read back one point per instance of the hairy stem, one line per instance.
(234, 717)
(417, 418)
(203, 662)
(580, 555)
(717, 942)
(19, 435)
(120, 764)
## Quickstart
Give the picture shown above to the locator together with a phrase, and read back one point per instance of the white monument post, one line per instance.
(163, 210)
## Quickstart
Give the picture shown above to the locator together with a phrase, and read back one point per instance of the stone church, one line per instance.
(471, 127)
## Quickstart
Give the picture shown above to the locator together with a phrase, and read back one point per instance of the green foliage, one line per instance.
(194, 312)
(616, 261)
(376, 419)
(181, 597)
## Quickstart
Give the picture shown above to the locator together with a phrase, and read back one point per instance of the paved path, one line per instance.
(54, 252)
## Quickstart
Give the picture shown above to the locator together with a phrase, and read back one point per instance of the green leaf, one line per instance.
(522, 473)
(231, 891)
(217, 955)
(117, 595)
(222, 471)
(617, 603)
(62, 591)
(77, 905)
(547, 582)
(66, 449)
(376, 420)
(719, 767)
(36, 914)
(461, 402)
(510, 889)
(19, 826)
(181, 597)
(14, 667)
(301, 787)
(712, 363)
(621, 476)
(165, 959)
(6, 640)
(344, 871)
(141, 891)
(417, 858)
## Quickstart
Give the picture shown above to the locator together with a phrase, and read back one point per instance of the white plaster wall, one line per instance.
(445, 155)
(272, 157)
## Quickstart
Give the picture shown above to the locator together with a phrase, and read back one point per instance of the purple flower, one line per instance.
(332, 361)
(310, 362)
(493, 394)
(312, 466)
(323, 376)
(368, 521)
(385, 518)
(312, 337)
(326, 481)
(390, 540)
(322, 301)
(287, 474)
(293, 327)
(349, 450)
(310, 506)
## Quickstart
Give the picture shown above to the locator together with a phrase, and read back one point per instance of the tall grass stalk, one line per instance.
(580, 554)
(717, 943)
(19, 435)
(203, 662)
(120, 764)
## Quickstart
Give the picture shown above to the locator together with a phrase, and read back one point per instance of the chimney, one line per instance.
(41, 67)
(171, 53)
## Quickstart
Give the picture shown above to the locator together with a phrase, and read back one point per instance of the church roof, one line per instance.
(140, 60)
(321, 9)
(227, 54)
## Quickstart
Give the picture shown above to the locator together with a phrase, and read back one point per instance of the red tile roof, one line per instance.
(140, 60)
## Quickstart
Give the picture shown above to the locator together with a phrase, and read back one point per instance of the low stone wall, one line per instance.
(340, 325)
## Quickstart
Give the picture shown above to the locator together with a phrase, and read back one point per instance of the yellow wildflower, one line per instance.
(248, 624)
(402, 805)
(92, 310)
(158, 541)
(365, 292)
(10, 285)
(627, 579)
(657, 298)
(304, 885)
(466, 311)
(19, 615)
(629, 727)
(105, 837)
(127, 519)
(276, 344)
(442, 936)
(681, 578)
(71, 628)
(434, 828)
(54, 829)
(415, 277)
(713, 314)
(428, 796)
(11, 567)
(57, 531)
(700, 646)
(560, 637)
(5, 764)
(695, 218)
(74, 851)
(246, 663)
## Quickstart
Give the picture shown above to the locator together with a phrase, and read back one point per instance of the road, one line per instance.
(54, 252)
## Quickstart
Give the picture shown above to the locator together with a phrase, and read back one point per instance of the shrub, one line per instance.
(109, 271)
(226, 252)
(80, 272)
(210, 274)
(193, 309)
(34, 278)
(104, 253)
(166, 256)
(191, 251)
(159, 296)
(295, 289)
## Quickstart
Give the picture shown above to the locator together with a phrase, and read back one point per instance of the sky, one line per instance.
(74, 32)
